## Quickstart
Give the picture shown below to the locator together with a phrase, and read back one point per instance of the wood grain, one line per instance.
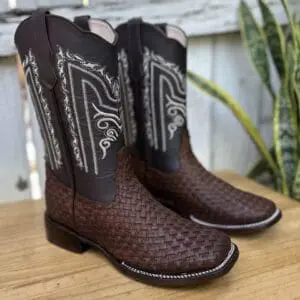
(199, 105)
(233, 148)
(201, 17)
(14, 174)
(31, 268)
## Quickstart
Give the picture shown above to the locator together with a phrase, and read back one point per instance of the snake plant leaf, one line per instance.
(261, 167)
(297, 32)
(296, 184)
(295, 87)
(291, 21)
(285, 139)
(255, 42)
(292, 75)
(213, 90)
(296, 75)
(275, 38)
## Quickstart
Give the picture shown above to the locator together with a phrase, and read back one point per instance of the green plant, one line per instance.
(282, 162)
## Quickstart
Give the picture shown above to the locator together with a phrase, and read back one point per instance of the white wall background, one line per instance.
(215, 51)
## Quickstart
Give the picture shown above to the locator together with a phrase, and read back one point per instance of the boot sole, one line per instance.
(243, 228)
(63, 237)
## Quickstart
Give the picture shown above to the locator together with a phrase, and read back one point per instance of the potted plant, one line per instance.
(282, 162)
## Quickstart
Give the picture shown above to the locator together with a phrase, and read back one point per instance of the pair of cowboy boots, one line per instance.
(87, 82)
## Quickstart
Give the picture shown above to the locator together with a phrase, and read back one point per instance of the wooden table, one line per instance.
(31, 268)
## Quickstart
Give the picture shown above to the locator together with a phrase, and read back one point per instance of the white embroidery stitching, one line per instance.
(174, 103)
(112, 123)
(177, 112)
(83, 160)
(146, 97)
(91, 134)
(223, 264)
(40, 117)
(128, 100)
(67, 107)
(53, 147)
(267, 221)
(105, 122)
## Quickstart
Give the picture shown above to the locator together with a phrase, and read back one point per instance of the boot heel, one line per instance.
(62, 237)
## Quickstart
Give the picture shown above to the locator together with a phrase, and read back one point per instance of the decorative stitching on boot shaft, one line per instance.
(129, 121)
(170, 105)
(104, 116)
(53, 151)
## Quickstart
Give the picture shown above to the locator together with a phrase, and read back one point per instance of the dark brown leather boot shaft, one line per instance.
(81, 137)
(153, 67)
(93, 197)
(156, 66)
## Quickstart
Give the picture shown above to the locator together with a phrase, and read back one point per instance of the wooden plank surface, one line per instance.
(197, 18)
(199, 106)
(14, 173)
(232, 147)
(200, 17)
(31, 268)
(4, 5)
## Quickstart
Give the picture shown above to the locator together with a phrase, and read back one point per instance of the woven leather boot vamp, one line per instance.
(153, 60)
(198, 193)
(93, 197)
(141, 232)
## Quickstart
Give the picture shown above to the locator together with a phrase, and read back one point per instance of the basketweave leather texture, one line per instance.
(137, 229)
(170, 171)
(200, 193)
(59, 200)
(99, 200)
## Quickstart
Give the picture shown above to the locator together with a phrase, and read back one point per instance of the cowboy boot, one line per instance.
(93, 198)
(153, 69)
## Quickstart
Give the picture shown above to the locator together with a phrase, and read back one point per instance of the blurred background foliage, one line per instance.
(282, 161)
